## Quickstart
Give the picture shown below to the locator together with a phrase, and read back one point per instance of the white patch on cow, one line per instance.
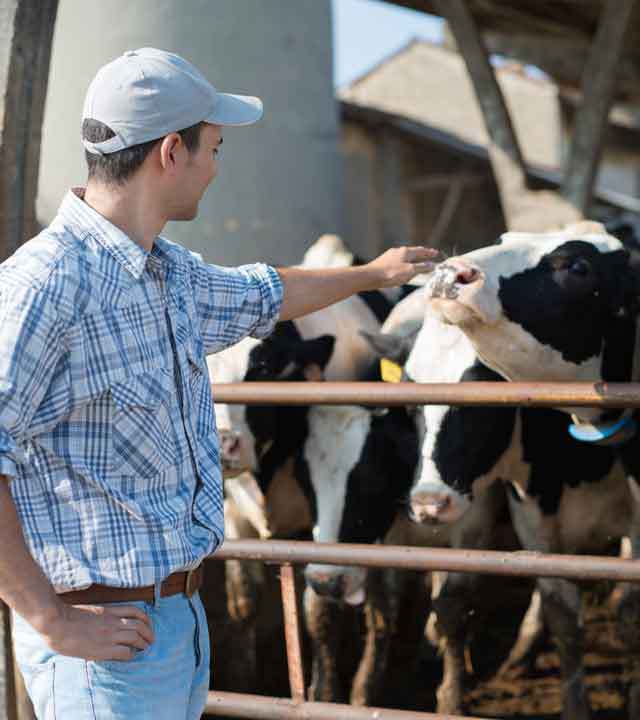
(352, 354)
(230, 366)
(336, 438)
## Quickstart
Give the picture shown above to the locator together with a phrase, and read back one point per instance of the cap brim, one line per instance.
(235, 110)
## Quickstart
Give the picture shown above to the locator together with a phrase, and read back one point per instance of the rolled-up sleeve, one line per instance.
(233, 303)
(31, 342)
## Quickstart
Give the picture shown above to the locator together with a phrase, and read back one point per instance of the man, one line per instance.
(112, 491)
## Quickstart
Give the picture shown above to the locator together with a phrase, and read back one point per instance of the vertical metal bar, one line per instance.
(292, 632)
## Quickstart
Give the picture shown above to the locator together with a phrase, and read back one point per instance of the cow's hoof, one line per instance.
(449, 701)
(576, 706)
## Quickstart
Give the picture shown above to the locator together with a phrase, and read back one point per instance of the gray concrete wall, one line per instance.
(280, 182)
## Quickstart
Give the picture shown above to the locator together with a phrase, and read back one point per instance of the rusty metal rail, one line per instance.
(236, 705)
(606, 395)
(490, 562)
(286, 553)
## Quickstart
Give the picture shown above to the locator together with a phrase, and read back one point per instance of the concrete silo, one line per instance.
(280, 181)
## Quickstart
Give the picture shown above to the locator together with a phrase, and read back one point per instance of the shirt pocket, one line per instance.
(143, 434)
(200, 393)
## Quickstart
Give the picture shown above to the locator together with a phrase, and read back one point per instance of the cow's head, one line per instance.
(261, 438)
(460, 448)
(360, 462)
(555, 306)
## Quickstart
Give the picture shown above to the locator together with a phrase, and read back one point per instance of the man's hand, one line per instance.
(401, 264)
(307, 290)
(97, 632)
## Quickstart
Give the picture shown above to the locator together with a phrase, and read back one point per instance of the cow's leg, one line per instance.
(381, 614)
(530, 637)
(322, 618)
(451, 605)
(628, 607)
(561, 602)
(242, 592)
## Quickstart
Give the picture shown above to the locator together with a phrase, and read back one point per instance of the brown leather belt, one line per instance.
(186, 582)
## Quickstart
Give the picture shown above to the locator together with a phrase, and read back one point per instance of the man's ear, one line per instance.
(169, 148)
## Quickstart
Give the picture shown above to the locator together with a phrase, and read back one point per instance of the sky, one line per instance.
(366, 31)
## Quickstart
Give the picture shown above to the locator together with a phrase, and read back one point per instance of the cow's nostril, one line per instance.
(466, 275)
(326, 585)
(230, 443)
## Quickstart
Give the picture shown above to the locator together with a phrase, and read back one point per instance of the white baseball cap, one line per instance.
(146, 94)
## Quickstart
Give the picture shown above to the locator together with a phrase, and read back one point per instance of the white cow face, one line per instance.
(556, 306)
(360, 464)
(462, 450)
(237, 442)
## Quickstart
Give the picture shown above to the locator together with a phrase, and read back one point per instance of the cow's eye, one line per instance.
(579, 266)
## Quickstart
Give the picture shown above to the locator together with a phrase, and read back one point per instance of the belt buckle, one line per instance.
(191, 582)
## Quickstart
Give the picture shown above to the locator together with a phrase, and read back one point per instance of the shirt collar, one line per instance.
(127, 252)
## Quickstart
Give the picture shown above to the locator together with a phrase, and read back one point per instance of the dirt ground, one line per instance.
(415, 668)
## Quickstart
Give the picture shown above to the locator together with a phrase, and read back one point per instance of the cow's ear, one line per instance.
(626, 296)
(396, 347)
(316, 351)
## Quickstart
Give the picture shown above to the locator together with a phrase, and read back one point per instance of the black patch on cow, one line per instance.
(381, 479)
(578, 301)
(303, 478)
(282, 429)
(377, 302)
(471, 439)
(629, 453)
(557, 460)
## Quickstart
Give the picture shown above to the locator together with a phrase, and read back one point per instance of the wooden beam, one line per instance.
(447, 211)
(440, 181)
(523, 209)
(598, 86)
(26, 31)
(504, 151)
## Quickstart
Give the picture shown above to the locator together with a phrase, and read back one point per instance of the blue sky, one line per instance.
(365, 31)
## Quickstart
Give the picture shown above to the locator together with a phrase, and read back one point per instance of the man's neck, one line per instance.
(128, 207)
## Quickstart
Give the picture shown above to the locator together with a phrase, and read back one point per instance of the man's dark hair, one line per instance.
(117, 167)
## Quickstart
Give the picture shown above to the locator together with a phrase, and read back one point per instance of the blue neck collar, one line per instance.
(612, 434)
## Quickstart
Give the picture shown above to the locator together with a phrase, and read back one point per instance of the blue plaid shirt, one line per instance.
(107, 426)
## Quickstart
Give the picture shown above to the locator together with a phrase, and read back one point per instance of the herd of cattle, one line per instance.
(559, 306)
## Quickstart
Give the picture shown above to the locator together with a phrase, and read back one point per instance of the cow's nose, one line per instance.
(325, 584)
(430, 506)
(465, 273)
(229, 443)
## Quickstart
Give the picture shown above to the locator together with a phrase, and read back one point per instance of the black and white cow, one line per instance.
(296, 453)
(442, 522)
(558, 306)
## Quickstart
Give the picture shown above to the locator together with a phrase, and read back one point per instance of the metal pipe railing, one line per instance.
(258, 707)
(530, 394)
(519, 563)
(286, 553)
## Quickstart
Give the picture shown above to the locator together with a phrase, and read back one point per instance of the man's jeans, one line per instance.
(167, 681)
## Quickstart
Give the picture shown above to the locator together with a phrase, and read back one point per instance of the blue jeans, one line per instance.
(167, 681)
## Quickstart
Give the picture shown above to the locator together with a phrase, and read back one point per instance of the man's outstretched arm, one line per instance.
(308, 290)
(90, 632)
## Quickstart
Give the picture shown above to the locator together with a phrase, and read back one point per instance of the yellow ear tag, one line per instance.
(391, 372)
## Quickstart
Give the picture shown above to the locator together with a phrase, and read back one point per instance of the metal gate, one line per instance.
(287, 553)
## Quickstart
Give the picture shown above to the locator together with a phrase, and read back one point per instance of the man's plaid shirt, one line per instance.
(107, 426)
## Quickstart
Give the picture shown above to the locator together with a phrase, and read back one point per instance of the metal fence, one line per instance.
(287, 553)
